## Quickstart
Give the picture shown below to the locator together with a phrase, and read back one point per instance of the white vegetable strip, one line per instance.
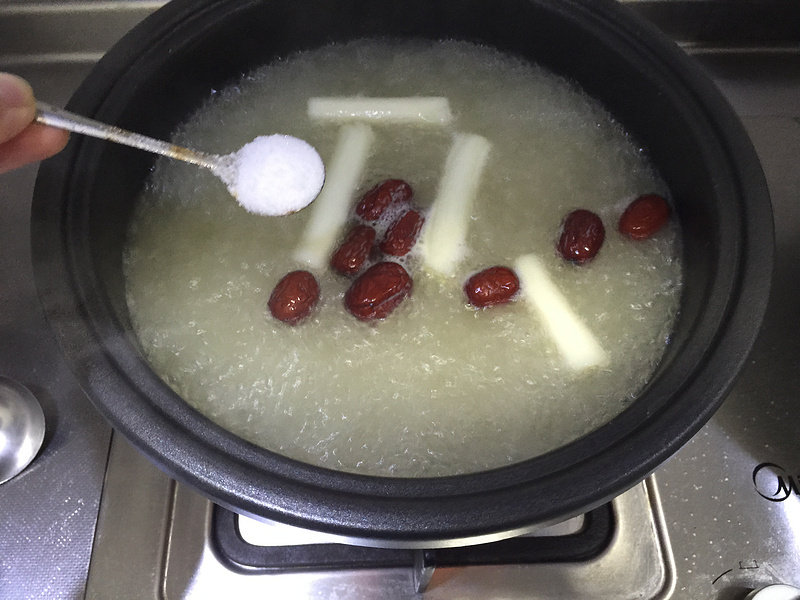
(330, 210)
(413, 109)
(445, 231)
(575, 342)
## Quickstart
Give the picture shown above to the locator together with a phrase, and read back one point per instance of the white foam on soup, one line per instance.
(437, 388)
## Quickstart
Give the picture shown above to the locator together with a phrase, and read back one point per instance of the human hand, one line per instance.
(23, 141)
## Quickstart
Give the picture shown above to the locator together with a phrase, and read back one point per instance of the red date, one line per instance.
(644, 217)
(293, 298)
(378, 199)
(378, 291)
(492, 286)
(582, 235)
(402, 234)
(354, 250)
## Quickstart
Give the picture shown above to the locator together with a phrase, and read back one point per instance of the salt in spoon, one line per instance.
(272, 175)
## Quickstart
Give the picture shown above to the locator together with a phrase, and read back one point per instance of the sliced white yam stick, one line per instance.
(579, 348)
(442, 242)
(413, 109)
(330, 210)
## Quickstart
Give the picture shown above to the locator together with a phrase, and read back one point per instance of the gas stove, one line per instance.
(92, 518)
(183, 545)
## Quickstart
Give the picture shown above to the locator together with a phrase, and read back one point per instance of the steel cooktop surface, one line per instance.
(92, 518)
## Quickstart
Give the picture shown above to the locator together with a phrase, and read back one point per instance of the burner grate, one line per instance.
(241, 555)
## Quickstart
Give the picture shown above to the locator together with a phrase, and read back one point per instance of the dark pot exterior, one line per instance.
(161, 71)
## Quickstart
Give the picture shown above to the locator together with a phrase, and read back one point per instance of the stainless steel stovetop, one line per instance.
(92, 518)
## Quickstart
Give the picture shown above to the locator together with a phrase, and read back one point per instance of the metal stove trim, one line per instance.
(161, 530)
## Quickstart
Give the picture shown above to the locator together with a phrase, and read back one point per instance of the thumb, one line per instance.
(17, 106)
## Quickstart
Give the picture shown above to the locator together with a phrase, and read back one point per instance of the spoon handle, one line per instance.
(63, 119)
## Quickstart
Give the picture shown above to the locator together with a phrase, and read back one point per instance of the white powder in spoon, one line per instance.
(274, 174)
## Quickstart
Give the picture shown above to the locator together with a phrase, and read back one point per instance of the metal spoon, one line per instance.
(298, 157)
(63, 119)
(21, 428)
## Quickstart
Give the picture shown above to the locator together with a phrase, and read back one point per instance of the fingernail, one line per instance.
(14, 91)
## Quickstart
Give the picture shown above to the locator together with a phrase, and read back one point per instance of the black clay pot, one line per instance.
(160, 72)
